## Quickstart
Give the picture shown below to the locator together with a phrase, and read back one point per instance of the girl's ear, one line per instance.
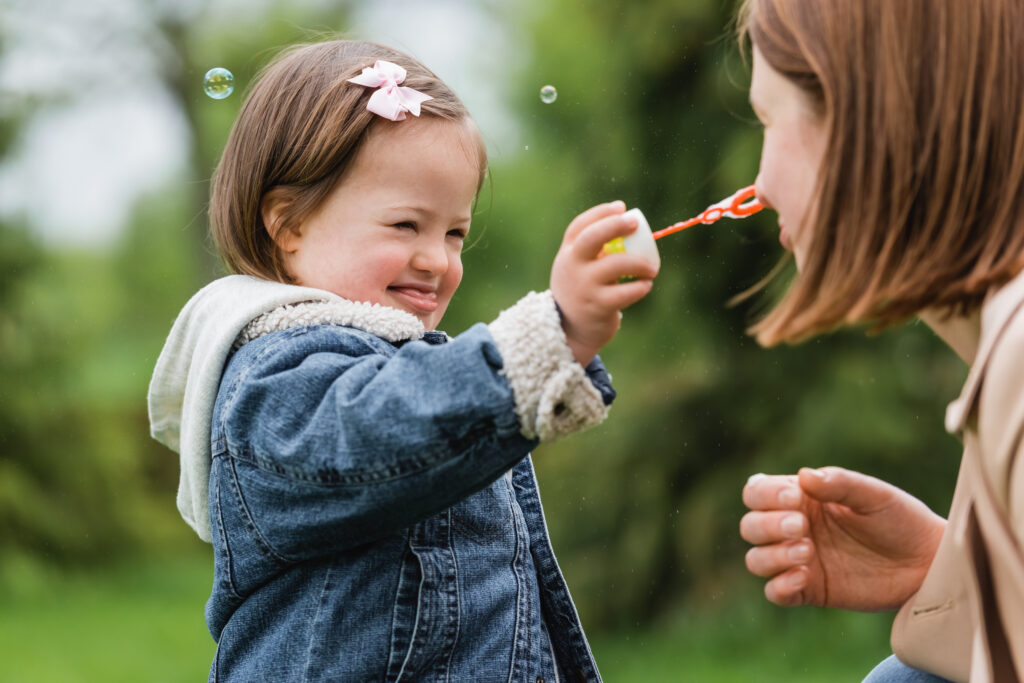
(274, 212)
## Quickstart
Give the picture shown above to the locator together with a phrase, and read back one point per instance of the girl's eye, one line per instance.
(460, 234)
(405, 224)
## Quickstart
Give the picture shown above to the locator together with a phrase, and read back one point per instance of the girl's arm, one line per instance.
(330, 436)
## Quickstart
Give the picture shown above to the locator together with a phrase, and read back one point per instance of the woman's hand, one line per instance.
(586, 284)
(836, 538)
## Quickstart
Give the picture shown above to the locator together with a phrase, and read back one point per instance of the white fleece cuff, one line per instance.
(553, 395)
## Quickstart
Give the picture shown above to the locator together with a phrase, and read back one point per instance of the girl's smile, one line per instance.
(420, 297)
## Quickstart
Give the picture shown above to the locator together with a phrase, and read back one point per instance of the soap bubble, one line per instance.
(548, 94)
(218, 83)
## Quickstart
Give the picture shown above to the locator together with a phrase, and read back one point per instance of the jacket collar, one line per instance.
(996, 313)
(390, 324)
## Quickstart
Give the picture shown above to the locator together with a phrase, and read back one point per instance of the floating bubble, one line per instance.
(218, 83)
(548, 94)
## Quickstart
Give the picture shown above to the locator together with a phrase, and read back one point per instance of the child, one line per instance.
(364, 479)
(894, 154)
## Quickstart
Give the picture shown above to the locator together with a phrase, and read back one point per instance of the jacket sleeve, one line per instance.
(332, 440)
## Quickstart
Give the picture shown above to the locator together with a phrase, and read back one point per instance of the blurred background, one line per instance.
(107, 145)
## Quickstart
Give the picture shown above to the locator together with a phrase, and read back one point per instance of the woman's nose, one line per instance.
(759, 193)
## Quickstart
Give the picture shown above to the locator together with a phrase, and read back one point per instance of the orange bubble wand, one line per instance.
(739, 205)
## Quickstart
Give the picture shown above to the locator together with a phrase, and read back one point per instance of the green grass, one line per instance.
(139, 622)
(747, 640)
(142, 622)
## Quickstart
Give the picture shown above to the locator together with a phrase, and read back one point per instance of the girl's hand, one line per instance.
(835, 538)
(586, 284)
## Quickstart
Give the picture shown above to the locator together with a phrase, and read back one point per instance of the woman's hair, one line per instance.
(918, 203)
(300, 128)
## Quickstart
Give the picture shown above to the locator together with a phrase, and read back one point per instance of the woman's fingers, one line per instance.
(772, 492)
(759, 528)
(788, 589)
(778, 531)
(859, 492)
(770, 560)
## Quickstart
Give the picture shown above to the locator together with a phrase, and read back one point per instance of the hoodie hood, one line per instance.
(186, 379)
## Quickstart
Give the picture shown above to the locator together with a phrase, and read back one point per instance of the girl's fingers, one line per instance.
(770, 560)
(608, 269)
(590, 242)
(772, 492)
(626, 294)
(787, 589)
(759, 528)
(591, 215)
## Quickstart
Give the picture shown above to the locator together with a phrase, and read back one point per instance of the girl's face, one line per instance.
(791, 155)
(392, 231)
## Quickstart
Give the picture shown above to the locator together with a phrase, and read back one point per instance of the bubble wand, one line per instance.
(741, 204)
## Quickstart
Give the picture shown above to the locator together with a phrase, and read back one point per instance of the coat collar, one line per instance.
(390, 324)
(996, 313)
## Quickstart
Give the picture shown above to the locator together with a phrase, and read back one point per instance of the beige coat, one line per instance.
(966, 623)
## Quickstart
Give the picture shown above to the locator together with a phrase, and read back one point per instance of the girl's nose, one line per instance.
(431, 257)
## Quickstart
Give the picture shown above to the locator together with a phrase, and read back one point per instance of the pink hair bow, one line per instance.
(391, 100)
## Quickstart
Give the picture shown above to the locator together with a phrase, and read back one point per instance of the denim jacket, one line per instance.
(373, 507)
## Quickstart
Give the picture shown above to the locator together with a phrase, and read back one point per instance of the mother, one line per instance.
(894, 156)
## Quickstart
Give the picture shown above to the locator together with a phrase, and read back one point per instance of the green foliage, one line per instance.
(72, 410)
(80, 330)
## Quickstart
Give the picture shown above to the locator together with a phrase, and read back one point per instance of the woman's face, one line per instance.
(791, 154)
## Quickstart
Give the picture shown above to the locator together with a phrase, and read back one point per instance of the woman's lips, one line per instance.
(418, 299)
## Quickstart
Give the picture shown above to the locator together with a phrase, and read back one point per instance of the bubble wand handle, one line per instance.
(740, 205)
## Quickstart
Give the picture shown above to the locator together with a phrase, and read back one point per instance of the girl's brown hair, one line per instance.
(299, 130)
(918, 200)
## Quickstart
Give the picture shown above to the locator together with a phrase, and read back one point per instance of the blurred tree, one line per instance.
(80, 330)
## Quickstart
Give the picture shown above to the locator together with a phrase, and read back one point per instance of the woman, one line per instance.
(894, 156)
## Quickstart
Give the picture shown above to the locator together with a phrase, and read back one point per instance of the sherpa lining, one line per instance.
(553, 395)
(390, 324)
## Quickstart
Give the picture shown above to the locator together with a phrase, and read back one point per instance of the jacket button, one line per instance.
(540, 679)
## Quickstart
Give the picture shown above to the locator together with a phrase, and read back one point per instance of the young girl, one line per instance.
(894, 155)
(365, 479)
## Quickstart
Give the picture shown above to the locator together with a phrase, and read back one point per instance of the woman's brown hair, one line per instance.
(918, 201)
(299, 130)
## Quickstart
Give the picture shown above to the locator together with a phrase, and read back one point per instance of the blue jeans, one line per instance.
(892, 670)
